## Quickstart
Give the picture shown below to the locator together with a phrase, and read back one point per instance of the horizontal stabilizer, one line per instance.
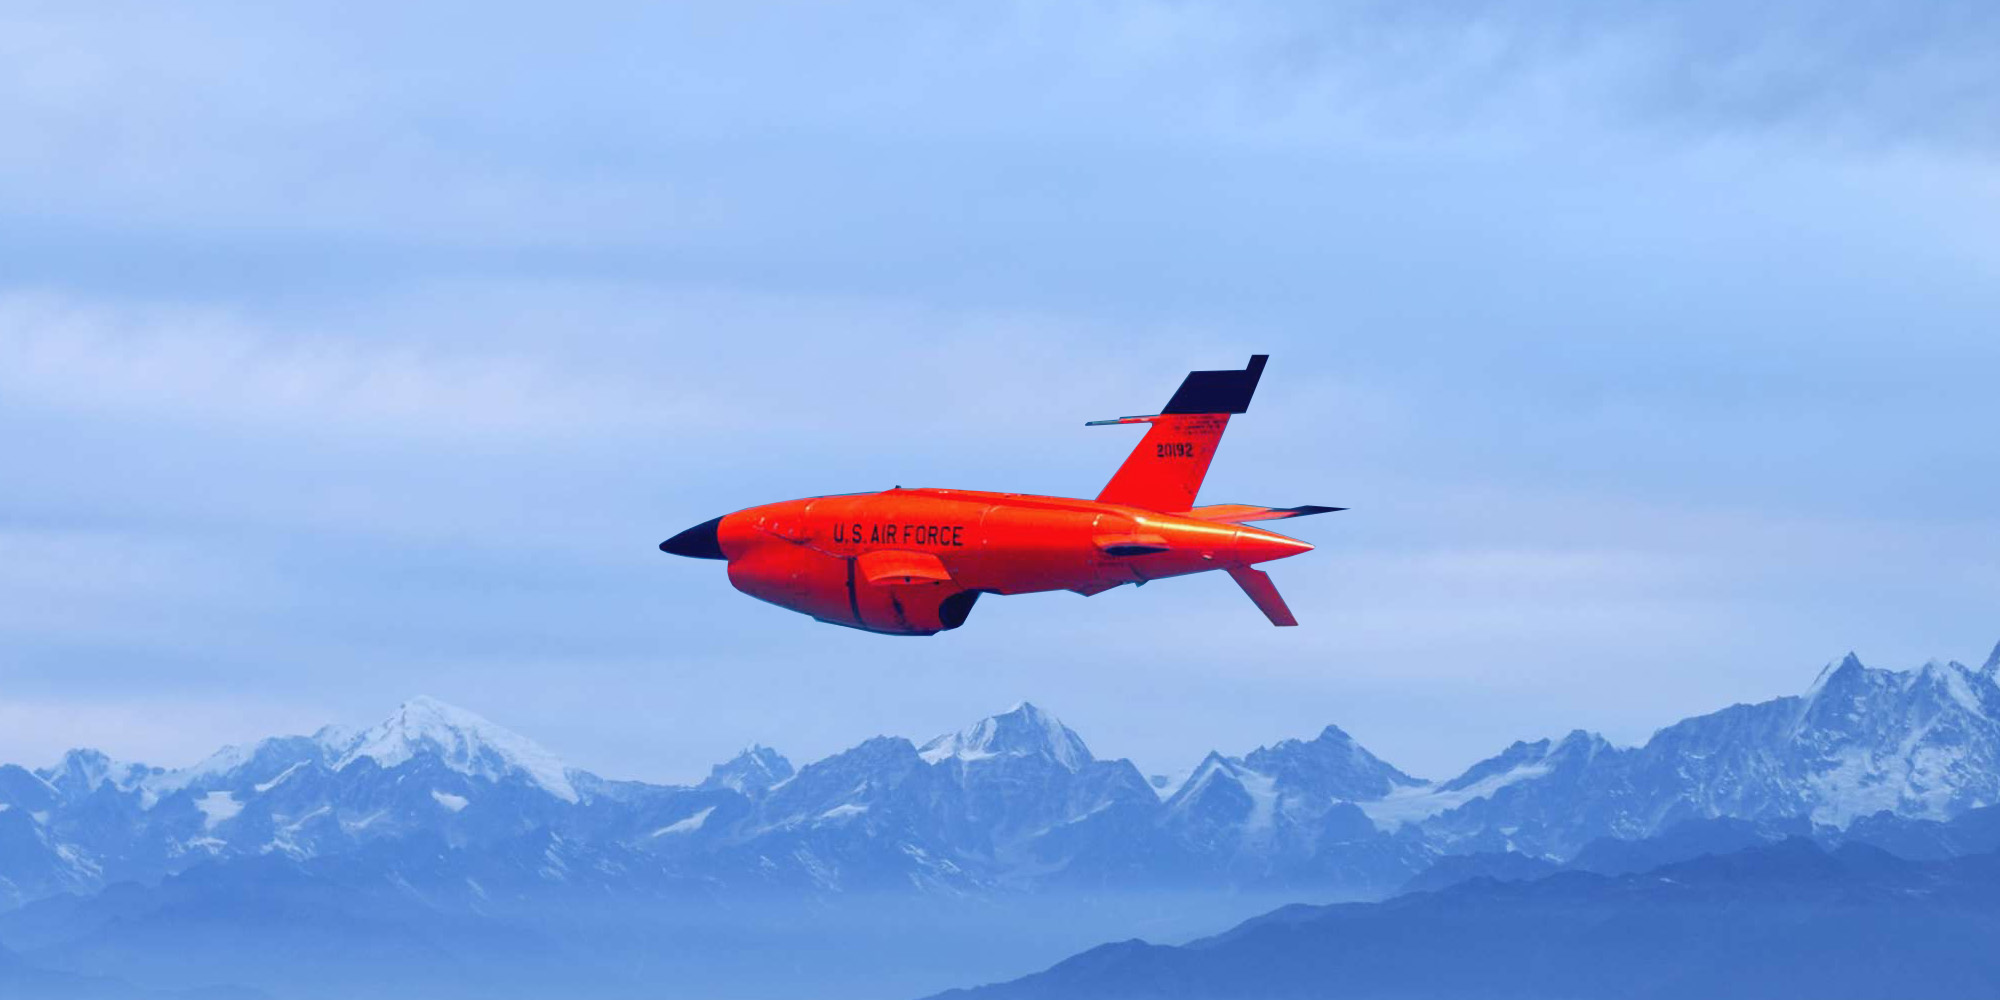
(885, 566)
(1238, 513)
(1264, 594)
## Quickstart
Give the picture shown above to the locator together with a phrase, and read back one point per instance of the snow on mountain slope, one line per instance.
(81, 772)
(1222, 799)
(1165, 785)
(465, 742)
(217, 807)
(1021, 731)
(1921, 744)
(688, 825)
(751, 772)
(1415, 803)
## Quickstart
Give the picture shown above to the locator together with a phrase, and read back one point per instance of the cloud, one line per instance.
(535, 360)
(129, 587)
(205, 365)
(670, 127)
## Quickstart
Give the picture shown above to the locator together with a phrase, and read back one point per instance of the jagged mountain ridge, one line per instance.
(1918, 744)
(880, 815)
(1017, 801)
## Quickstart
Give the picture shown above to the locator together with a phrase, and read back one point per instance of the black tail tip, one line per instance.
(1218, 392)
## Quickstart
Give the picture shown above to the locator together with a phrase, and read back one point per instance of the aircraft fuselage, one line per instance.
(913, 561)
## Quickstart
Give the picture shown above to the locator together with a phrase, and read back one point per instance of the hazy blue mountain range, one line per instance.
(1783, 919)
(20, 980)
(1017, 802)
(438, 840)
(1975, 831)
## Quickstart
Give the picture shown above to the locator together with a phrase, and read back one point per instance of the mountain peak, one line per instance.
(1992, 663)
(81, 771)
(1580, 743)
(1216, 775)
(1022, 731)
(1845, 670)
(1331, 765)
(1951, 683)
(464, 741)
(754, 770)
(1519, 757)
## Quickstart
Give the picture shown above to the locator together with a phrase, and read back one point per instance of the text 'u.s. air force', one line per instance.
(900, 534)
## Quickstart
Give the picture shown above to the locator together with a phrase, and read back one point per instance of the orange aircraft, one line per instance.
(913, 561)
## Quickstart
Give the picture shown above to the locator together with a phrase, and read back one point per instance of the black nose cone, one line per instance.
(698, 542)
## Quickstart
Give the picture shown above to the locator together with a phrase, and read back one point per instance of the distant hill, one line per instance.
(1784, 919)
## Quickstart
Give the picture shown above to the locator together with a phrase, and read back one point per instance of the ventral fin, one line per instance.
(1264, 594)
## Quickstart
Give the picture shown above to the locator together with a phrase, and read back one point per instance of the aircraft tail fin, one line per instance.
(1264, 594)
(1165, 471)
(1239, 513)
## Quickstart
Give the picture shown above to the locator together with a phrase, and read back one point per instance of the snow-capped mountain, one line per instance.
(1512, 800)
(1330, 765)
(1022, 731)
(1917, 744)
(81, 772)
(969, 811)
(428, 768)
(1015, 802)
(1288, 812)
(751, 772)
(459, 740)
(1280, 796)
(1023, 775)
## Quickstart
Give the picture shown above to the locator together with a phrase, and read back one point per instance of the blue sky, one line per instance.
(357, 354)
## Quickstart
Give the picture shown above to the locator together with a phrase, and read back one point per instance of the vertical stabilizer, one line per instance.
(1165, 471)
